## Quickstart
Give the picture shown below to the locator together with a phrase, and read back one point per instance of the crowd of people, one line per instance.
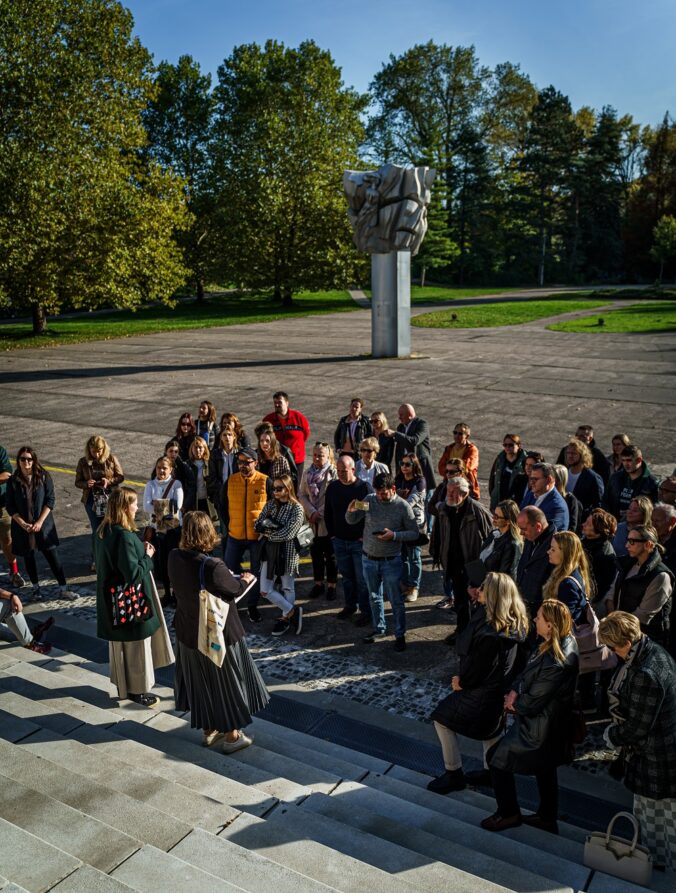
(568, 566)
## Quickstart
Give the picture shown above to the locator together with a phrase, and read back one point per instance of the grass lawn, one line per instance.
(507, 314)
(438, 294)
(649, 317)
(217, 310)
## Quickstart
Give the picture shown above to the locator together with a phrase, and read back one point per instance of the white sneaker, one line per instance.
(411, 595)
(68, 594)
(243, 741)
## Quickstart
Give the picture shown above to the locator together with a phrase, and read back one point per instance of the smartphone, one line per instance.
(361, 506)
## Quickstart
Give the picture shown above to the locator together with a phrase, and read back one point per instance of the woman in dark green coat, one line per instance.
(121, 558)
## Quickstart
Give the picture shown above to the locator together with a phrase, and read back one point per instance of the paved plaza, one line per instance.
(522, 379)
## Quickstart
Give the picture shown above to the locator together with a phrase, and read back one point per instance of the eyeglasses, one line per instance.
(406, 464)
(242, 463)
(278, 489)
(508, 443)
(25, 458)
(498, 517)
(456, 433)
(635, 540)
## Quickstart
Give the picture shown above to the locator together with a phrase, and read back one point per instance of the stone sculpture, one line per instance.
(388, 207)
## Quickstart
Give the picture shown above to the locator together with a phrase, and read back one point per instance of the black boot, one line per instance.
(449, 781)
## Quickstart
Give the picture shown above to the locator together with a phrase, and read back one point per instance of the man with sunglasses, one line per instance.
(243, 499)
(644, 585)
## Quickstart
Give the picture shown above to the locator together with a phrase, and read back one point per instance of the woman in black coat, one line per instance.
(220, 699)
(538, 740)
(642, 697)
(597, 534)
(501, 550)
(490, 651)
(30, 500)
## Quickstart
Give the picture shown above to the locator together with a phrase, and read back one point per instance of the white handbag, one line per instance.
(622, 858)
(213, 614)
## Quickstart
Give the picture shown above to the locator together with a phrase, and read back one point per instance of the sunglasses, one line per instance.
(243, 464)
(321, 443)
(25, 458)
(406, 464)
(278, 489)
(366, 451)
(456, 433)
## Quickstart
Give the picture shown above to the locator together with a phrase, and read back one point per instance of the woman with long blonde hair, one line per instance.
(539, 739)
(570, 581)
(97, 472)
(491, 651)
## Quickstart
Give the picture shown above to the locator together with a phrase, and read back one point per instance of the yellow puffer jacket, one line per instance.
(246, 498)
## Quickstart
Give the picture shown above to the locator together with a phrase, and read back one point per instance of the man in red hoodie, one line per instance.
(291, 428)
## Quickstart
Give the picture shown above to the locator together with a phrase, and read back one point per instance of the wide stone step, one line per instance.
(450, 849)
(83, 837)
(271, 733)
(117, 810)
(31, 863)
(292, 842)
(176, 747)
(8, 887)
(89, 880)
(165, 796)
(249, 870)
(546, 854)
(151, 869)
(258, 758)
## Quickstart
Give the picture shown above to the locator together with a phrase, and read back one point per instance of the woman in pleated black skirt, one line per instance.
(222, 699)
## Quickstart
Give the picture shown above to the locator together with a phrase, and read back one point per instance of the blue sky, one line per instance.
(615, 52)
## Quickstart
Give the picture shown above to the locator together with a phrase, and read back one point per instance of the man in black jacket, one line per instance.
(534, 567)
(347, 539)
(413, 436)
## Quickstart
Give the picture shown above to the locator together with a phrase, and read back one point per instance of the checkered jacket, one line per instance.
(290, 516)
(648, 735)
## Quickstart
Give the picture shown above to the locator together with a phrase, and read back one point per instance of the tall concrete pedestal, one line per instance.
(391, 304)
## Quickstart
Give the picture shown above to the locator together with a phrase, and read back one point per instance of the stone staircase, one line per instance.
(100, 795)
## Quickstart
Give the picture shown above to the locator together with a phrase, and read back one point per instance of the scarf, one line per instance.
(618, 680)
(315, 478)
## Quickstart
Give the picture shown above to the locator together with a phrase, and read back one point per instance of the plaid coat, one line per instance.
(648, 734)
(290, 517)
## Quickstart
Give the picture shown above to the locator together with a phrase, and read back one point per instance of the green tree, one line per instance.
(664, 242)
(84, 220)
(437, 250)
(285, 129)
(437, 105)
(178, 121)
(553, 141)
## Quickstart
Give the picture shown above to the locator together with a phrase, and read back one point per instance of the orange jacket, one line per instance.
(471, 459)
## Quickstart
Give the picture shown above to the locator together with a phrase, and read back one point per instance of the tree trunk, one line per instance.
(287, 296)
(39, 319)
(423, 270)
(659, 278)
(199, 290)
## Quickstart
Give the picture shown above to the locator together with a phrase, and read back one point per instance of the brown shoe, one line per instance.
(496, 822)
(39, 647)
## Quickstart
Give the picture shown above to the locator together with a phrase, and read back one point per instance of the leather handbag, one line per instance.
(304, 538)
(593, 655)
(622, 858)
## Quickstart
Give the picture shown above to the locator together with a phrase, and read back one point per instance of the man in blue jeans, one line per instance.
(347, 539)
(388, 522)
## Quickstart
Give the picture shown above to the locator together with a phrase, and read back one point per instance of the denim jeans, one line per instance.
(385, 574)
(412, 558)
(349, 560)
(234, 552)
(285, 596)
(16, 623)
(92, 517)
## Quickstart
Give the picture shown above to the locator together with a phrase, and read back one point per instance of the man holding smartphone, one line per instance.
(388, 522)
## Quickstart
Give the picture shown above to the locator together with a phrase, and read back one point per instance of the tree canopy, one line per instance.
(285, 129)
(84, 220)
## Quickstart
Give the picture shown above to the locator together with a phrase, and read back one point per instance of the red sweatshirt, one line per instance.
(292, 430)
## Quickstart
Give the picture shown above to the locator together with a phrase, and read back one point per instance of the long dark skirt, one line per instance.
(219, 698)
